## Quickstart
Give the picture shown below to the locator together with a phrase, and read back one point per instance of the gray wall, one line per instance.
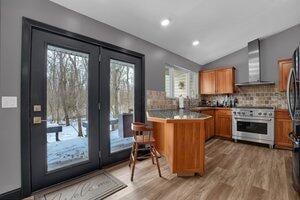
(50, 13)
(273, 48)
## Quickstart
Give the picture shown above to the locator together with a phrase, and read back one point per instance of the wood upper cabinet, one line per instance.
(217, 81)
(284, 69)
(207, 82)
(283, 126)
(225, 80)
(223, 123)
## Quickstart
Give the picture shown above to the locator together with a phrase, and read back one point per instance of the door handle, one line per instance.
(38, 120)
(291, 75)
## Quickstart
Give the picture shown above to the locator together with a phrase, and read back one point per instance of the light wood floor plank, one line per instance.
(234, 171)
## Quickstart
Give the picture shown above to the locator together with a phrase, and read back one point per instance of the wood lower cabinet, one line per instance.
(283, 126)
(209, 124)
(284, 69)
(223, 123)
(217, 81)
(220, 123)
(207, 82)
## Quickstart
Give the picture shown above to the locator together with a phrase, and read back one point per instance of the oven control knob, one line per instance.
(239, 113)
(270, 114)
(259, 113)
(234, 112)
(243, 113)
(265, 113)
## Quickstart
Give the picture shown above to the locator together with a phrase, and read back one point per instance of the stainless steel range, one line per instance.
(255, 124)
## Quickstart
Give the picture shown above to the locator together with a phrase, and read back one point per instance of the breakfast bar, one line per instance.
(180, 138)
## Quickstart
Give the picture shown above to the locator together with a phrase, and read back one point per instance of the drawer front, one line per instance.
(223, 112)
(282, 114)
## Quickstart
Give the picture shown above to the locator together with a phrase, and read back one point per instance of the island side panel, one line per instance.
(189, 149)
(159, 135)
(169, 145)
(163, 133)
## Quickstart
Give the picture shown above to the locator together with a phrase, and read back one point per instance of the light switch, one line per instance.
(9, 102)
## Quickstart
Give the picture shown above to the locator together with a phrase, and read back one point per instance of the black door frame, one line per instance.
(27, 26)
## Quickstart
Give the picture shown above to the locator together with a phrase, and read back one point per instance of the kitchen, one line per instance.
(256, 112)
(133, 99)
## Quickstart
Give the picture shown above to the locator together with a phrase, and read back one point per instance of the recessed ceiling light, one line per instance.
(165, 22)
(195, 43)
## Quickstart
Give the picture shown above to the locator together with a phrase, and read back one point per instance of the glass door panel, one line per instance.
(122, 102)
(121, 105)
(67, 107)
(64, 97)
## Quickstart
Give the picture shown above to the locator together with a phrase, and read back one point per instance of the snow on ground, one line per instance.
(72, 149)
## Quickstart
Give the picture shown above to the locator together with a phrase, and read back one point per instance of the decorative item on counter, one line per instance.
(235, 102)
(181, 102)
(203, 102)
(225, 101)
(188, 102)
(230, 103)
(181, 85)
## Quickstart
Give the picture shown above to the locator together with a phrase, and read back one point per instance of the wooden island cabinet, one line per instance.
(180, 138)
(209, 124)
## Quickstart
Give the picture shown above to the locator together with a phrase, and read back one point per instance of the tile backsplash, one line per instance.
(263, 95)
(158, 100)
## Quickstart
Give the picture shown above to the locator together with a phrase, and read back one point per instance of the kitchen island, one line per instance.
(180, 137)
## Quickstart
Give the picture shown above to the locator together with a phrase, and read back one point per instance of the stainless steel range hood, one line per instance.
(254, 65)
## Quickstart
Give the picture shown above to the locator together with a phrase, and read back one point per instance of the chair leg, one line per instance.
(131, 154)
(134, 161)
(152, 155)
(156, 158)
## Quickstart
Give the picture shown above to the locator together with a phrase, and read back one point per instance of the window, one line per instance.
(179, 81)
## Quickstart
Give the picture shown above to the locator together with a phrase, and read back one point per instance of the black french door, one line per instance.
(64, 97)
(122, 102)
(76, 108)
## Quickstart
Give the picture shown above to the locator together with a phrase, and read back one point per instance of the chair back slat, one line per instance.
(141, 129)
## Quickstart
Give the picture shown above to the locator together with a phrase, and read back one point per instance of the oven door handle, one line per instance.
(267, 120)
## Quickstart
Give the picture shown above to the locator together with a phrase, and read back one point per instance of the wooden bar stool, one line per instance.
(142, 135)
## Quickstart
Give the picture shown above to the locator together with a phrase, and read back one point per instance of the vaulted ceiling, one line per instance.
(221, 26)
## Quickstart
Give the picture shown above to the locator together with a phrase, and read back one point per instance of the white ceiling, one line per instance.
(221, 26)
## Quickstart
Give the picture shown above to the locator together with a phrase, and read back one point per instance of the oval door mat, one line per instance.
(97, 185)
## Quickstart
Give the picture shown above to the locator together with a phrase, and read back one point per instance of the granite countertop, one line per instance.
(178, 114)
(209, 108)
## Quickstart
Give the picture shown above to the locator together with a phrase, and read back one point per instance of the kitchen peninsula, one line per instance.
(180, 137)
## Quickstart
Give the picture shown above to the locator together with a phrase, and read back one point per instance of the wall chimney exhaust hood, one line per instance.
(254, 65)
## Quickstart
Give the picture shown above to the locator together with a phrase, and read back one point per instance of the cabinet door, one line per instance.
(283, 126)
(207, 82)
(284, 70)
(223, 126)
(209, 124)
(225, 79)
